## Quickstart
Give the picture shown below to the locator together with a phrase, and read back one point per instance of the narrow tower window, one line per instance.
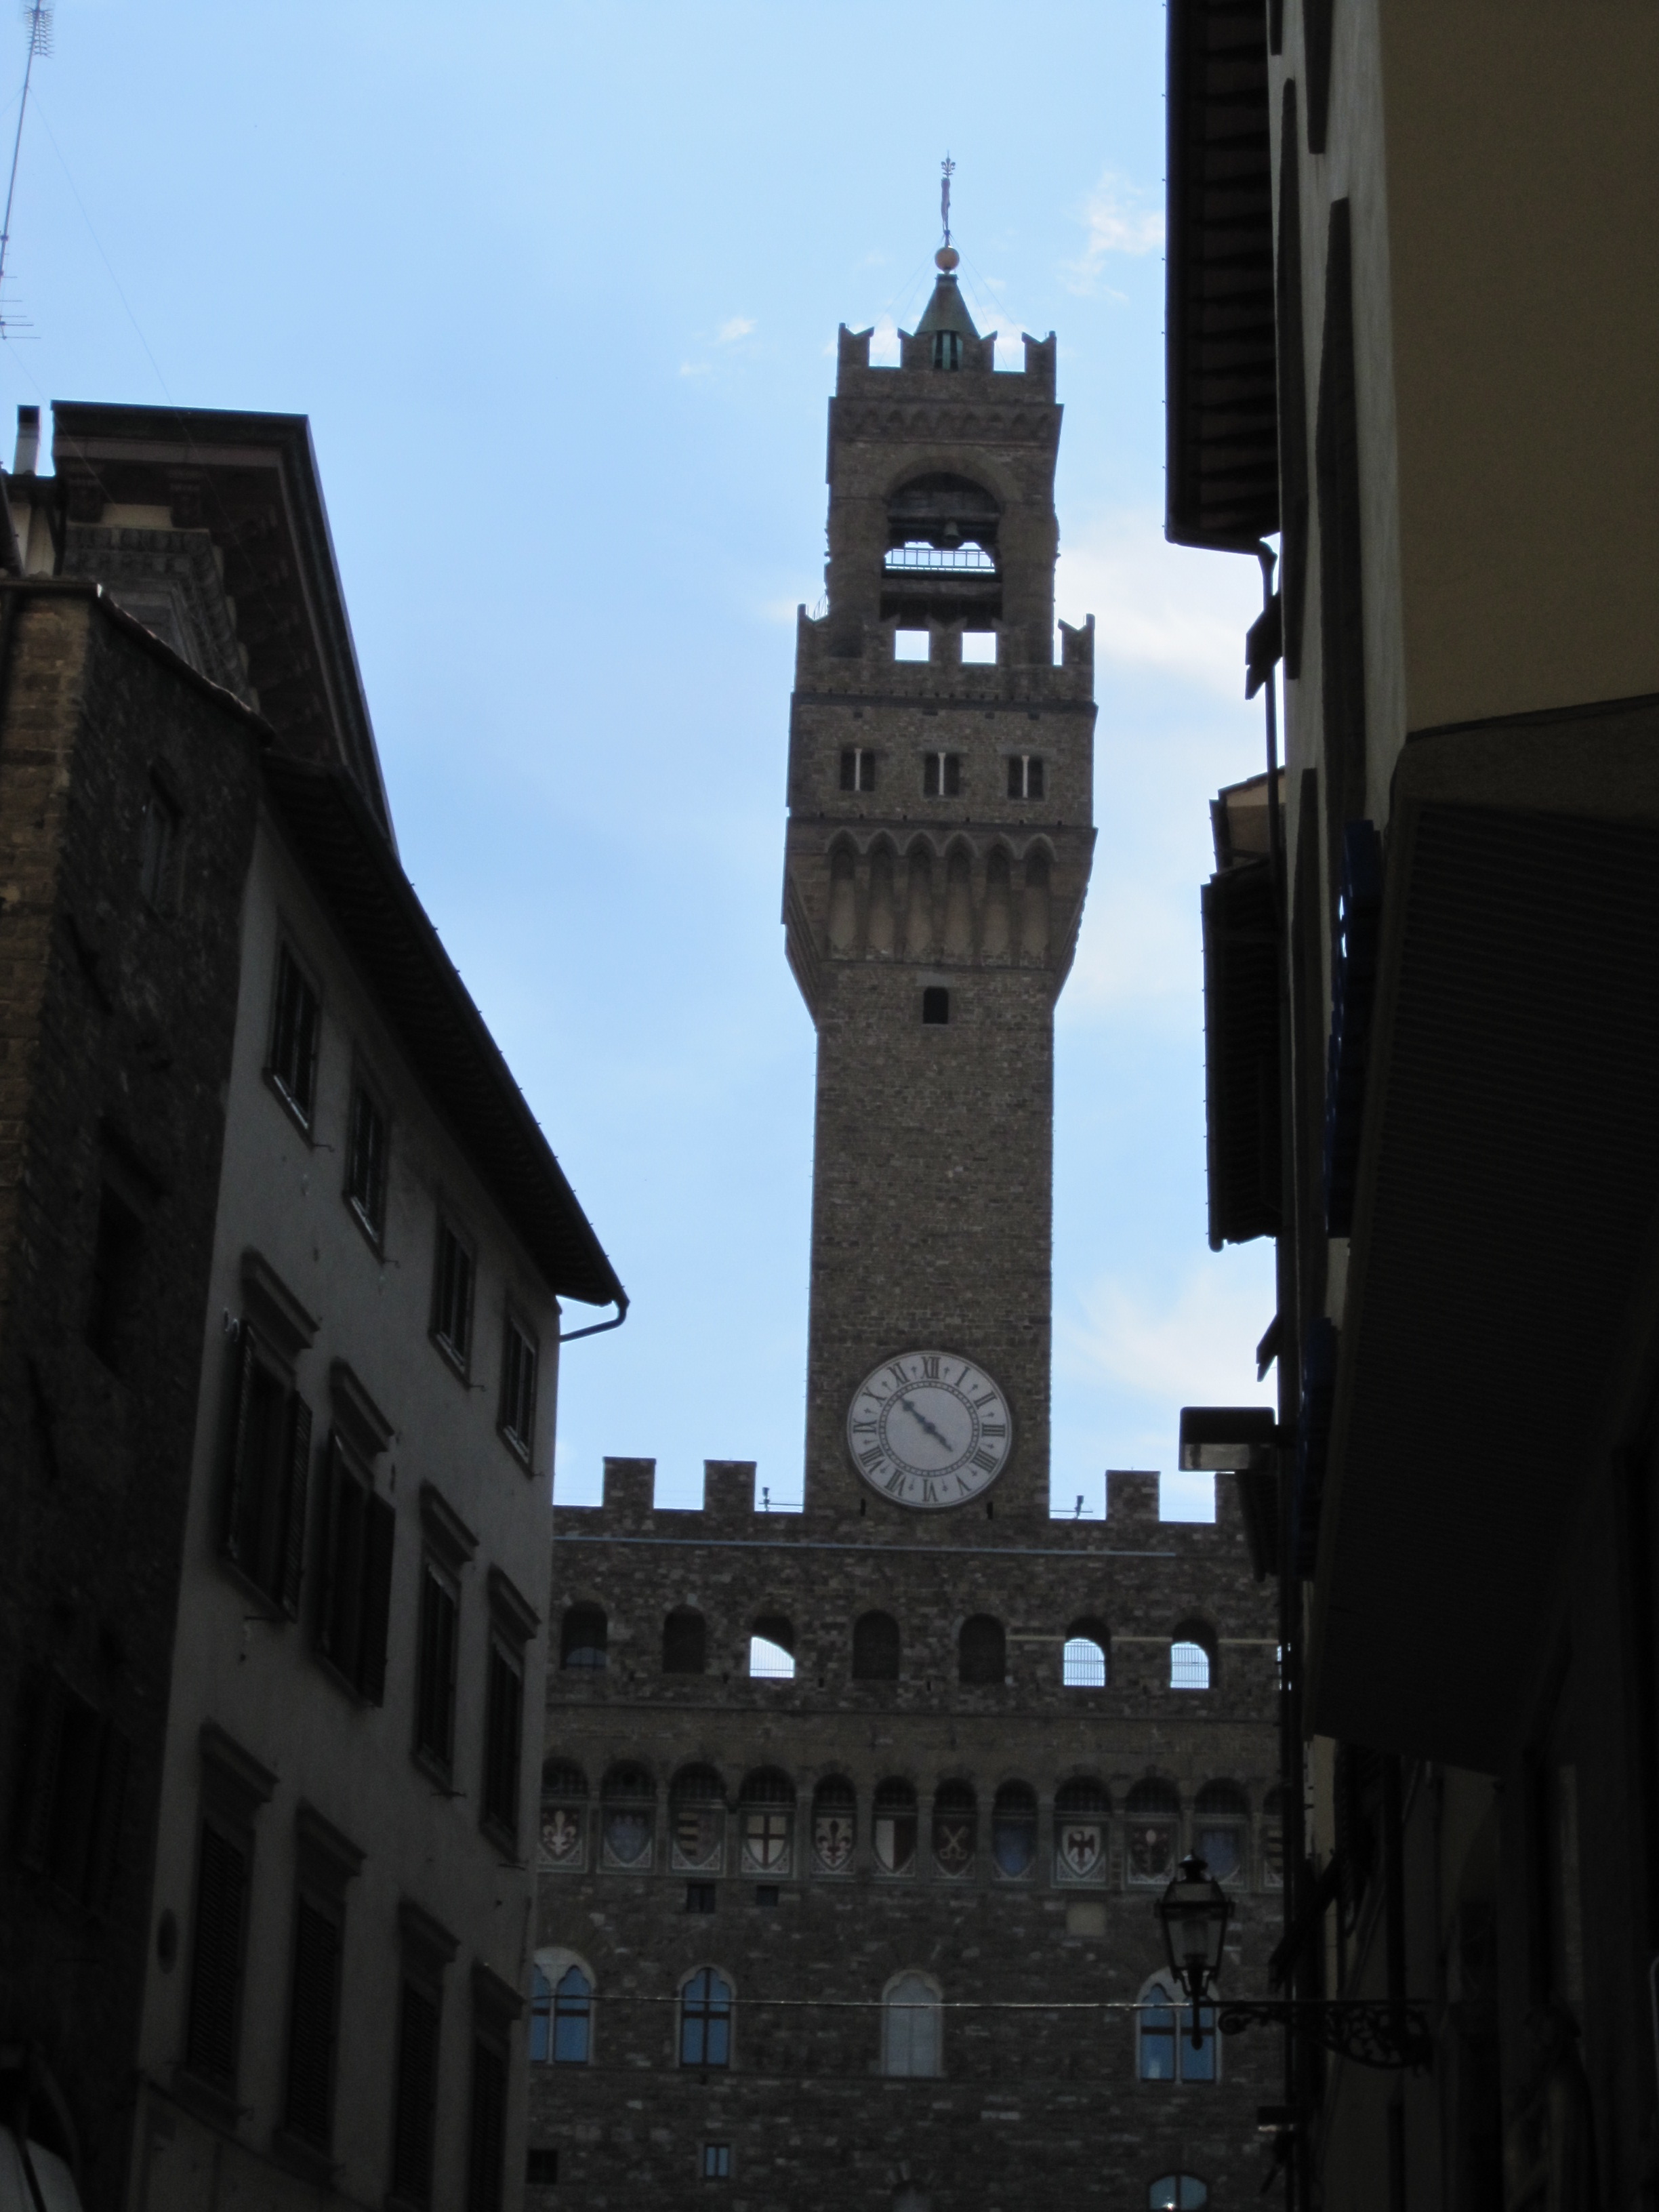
(941, 775)
(857, 769)
(947, 350)
(936, 1005)
(1025, 775)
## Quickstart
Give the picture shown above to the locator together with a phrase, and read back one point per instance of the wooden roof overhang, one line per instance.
(1220, 390)
(430, 1011)
(250, 482)
(1502, 1288)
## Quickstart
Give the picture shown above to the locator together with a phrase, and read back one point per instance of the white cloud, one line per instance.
(694, 369)
(737, 326)
(1120, 218)
(1158, 605)
(1197, 1348)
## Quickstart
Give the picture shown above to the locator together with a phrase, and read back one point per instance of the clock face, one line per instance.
(929, 1429)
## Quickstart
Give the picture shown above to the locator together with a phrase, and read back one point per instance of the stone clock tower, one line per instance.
(939, 841)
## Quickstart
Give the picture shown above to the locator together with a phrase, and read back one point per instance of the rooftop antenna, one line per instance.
(37, 14)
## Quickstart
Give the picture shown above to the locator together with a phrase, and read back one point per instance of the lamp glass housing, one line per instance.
(1194, 1910)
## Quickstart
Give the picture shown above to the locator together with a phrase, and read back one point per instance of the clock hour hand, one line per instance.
(937, 1435)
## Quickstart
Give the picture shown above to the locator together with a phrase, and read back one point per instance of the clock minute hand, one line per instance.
(937, 1435)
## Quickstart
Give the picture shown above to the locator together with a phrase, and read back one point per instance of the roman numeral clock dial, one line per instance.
(929, 1429)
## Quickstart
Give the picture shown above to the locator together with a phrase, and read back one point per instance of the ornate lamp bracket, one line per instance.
(1369, 2032)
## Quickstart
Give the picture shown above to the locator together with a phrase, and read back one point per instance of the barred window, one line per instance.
(1189, 1665)
(1083, 1662)
(772, 1650)
(296, 1026)
(583, 1639)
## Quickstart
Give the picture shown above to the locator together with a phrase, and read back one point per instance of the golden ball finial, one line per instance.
(947, 259)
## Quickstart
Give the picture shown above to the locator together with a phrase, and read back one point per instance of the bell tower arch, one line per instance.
(939, 846)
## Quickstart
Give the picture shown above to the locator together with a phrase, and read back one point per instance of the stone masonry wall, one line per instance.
(115, 1032)
(1031, 2104)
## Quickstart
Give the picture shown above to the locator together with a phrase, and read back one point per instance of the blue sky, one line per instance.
(558, 286)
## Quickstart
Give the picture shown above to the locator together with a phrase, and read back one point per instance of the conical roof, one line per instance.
(946, 311)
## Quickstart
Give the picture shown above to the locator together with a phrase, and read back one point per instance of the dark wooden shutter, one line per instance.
(312, 2024)
(341, 1608)
(237, 1470)
(215, 1980)
(487, 2132)
(294, 1514)
(1292, 388)
(417, 2095)
(376, 1608)
(503, 1728)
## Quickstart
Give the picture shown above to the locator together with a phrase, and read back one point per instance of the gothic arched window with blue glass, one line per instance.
(561, 2016)
(1163, 2037)
(706, 2019)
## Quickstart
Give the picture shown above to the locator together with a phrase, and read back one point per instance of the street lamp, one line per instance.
(1194, 1910)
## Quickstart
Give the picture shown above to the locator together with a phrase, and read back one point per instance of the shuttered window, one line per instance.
(354, 1610)
(504, 1734)
(296, 1023)
(215, 1979)
(313, 2021)
(486, 2159)
(518, 1414)
(451, 1295)
(416, 2095)
(435, 1692)
(270, 1464)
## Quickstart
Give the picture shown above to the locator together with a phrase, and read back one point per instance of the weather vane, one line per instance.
(947, 170)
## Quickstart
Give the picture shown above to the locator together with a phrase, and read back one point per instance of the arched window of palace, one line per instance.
(1013, 1831)
(582, 1639)
(628, 1818)
(956, 1820)
(1221, 1829)
(1151, 1830)
(875, 1648)
(910, 2018)
(893, 1830)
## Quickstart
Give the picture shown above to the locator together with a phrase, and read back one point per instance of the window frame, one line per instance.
(325, 1861)
(371, 1220)
(711, 2012)
(436, 1575)
(941, 775)
(426, 1949)
(301, 1110)
(275, 1519)
(234, 1788)
(356, 1612)
(1156, 1996)
(521, 1443)
(933, 2013)
(858, 769)
(512, 1624)
(457, 1355)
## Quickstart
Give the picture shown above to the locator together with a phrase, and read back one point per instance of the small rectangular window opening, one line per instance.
(518, 1417)
(936, 1005)
(716, 2162)
(435, 1692)
(941, 775)
(857, 769)
(365, 1162)
(155, 866)
(978, 648)
(1025, 775)
(700, 1897)
(912, 645)
(295, 1023)
(768, 1893)
(452, 1296)
(541, 2167)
